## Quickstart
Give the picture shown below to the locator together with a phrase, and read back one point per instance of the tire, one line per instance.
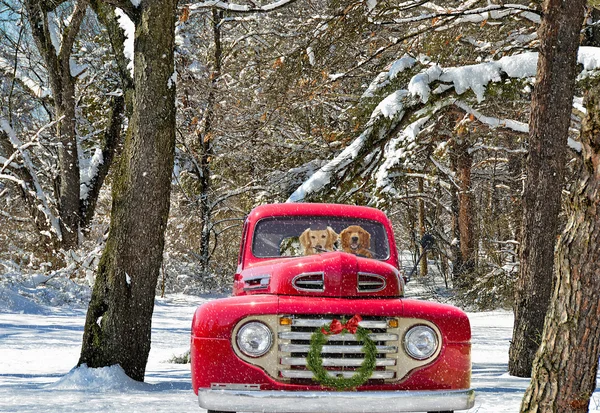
(444, 411)
(217, 411)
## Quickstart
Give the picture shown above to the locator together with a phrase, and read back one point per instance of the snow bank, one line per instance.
(38, 293)
(103, 379)
(12, 302)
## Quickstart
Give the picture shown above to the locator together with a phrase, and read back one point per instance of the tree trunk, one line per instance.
(205, 141)
(465, 212)
(118, 323)
(549, 122)
(457, 261)
(462, 161)
(62, 83)
(68, 160)
(423, 251)
(565, 367)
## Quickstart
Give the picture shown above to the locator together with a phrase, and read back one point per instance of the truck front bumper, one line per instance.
(242, 400)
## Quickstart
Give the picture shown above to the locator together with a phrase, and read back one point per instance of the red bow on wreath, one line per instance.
(337, 327)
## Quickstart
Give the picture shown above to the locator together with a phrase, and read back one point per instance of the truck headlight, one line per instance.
(254, 339)
(420, 342)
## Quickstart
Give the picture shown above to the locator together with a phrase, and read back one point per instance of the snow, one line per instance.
(34, 86)
(88, 171)
(311, 55)
(391, 105)
(400, 65)
(172, 82)
(323, 176)
(45, 208)
(462, 79)
(129, 28)
(40, 344)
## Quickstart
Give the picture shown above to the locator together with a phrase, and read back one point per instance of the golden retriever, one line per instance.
(356, 240)
(316, 241)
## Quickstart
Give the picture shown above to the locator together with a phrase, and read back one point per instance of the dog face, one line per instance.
(356, 240)
(315, 241)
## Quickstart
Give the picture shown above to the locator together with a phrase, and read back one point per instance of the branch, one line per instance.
(71, 31)
(126, 5)
(32, 87)
(517, 8)
(52, 221)
(238, 8)
(108, 18)
(236, 192)
(112, 136)
(9, 216)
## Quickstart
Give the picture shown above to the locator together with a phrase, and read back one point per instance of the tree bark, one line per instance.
(118, 322)
(545, 165)
(421, 202)
(112, 138)
(62, 83)
(565, 367)
(462, 161)
(205, 141)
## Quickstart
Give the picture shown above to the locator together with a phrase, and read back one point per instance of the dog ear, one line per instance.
(331, 238)
(367, 239)
(344, 237)
(332, 234)
(304, 240)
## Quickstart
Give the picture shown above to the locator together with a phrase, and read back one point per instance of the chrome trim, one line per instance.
(293, 335)
(264, 279)
(320, 322)
(334, 362)
(307, 374)
(308, 274)
(300, 348)
(275, 401)
(234, 386)
(382, 285)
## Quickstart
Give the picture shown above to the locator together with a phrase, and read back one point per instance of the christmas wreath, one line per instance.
(315, 362)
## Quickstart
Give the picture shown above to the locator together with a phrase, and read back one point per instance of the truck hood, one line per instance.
(331, 274)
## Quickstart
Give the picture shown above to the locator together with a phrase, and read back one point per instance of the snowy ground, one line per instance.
(40, 343)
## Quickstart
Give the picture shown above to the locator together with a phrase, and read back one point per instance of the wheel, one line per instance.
(444, 411)
(217, 411)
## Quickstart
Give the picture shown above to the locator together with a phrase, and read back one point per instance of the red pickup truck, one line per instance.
(318, 323)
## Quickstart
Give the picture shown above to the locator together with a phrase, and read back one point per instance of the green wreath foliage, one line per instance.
(315, 362)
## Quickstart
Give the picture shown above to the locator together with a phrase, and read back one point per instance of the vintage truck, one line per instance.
(327, 331)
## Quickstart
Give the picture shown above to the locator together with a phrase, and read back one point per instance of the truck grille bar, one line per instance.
(342, 355)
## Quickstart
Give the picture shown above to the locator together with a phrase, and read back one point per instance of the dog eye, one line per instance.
(323, 236)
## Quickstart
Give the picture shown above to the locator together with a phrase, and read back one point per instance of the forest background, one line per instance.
(418, 108)
(263, 101)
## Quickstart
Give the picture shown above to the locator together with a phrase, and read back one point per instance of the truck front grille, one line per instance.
(342, 355)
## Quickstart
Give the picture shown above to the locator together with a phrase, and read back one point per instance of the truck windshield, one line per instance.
(305, 235)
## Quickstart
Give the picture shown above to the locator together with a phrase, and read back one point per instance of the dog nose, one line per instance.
(354, 239)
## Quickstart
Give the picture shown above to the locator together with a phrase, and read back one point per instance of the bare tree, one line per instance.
(62, 82)
(118, 322)
(55, 45)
